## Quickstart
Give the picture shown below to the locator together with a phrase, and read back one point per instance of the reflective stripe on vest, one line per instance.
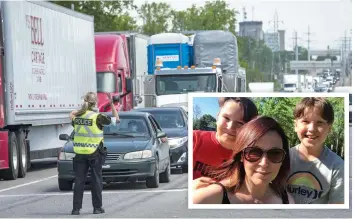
(87, 134)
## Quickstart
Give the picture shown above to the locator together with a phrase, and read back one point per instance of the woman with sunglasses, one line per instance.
(258, 170)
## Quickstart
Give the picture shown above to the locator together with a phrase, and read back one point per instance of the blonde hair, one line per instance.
(90, 102)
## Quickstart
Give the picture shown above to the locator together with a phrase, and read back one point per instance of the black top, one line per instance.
(225, 198)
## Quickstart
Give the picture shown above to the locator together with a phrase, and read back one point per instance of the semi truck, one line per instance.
(47, 65)
(113, 71)
(178, 66)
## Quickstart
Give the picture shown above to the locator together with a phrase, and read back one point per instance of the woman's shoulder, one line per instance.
(212, 194)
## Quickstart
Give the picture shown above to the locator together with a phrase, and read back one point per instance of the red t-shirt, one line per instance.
(207, 153)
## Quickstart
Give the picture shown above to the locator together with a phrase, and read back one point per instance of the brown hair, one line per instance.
(247, 136)
(320, 103)
(90, 102)
(249, 108)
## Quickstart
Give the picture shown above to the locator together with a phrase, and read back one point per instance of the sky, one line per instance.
(208, 105)
(328, 19)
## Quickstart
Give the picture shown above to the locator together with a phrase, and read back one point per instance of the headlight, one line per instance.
(66, 156)
(138, 155)
(183, 158)
(177, 142)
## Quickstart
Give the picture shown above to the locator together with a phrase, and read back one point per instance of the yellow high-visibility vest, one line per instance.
(87, 136)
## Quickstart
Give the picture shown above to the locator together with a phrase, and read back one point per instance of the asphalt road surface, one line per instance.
(38, 196)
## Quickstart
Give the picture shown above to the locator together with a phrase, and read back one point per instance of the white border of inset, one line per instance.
(269, 206)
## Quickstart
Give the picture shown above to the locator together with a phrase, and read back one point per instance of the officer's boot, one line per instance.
(75, 212)
(98, 210)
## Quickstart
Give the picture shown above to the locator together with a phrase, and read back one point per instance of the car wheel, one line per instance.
(65, 185)
(153, 181)
(165, 176)
(185, 168)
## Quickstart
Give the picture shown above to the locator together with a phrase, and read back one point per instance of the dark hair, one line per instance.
(246, 137)
(249, 108)
(320, 103)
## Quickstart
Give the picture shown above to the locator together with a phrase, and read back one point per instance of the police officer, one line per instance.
(89, 150)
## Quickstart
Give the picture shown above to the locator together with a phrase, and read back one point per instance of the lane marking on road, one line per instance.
(89, 193)
(26, 184)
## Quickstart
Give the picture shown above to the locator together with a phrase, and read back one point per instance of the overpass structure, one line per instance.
(310, 65)
(332, 52)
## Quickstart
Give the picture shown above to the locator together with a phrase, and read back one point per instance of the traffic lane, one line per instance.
(133, 204)
(40, 170)
(43, 199)
(50, 185)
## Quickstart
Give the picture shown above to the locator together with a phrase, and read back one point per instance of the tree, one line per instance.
(335, 138)
(206, 121)
(108, 15)
(196, 111)
(214, 15)
(281, 109)
(156, 17)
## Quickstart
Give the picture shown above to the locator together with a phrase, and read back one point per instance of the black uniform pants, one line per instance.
(82, 163)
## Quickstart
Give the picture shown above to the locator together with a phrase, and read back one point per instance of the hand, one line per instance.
(117, 120)
(72, 114)
(202, 182)
(109, 98)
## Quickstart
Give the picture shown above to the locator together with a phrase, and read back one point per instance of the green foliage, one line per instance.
(108, 15)
(156, 17)
(281, 109)
(204, 122)
(214, 15)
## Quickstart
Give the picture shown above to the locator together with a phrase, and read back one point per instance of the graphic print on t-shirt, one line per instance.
(304, 186)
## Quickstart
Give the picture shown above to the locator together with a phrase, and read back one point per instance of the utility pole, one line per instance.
(276, 42)
(297, 59)
(308, 33)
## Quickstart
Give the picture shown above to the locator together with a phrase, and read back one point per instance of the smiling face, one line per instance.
(264, 171)
(230, 119)
(312, 129)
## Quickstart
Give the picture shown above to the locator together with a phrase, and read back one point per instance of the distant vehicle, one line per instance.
(321, 89)
(174, 122)
(138, 150)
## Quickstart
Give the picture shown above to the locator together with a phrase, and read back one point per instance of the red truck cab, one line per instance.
(113, 72)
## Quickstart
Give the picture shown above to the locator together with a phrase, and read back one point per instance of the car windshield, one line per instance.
(129, 126)
(169, 119)
(179, 84)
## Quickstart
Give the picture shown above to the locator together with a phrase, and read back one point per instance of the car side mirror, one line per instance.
(161, 135)
(64, 137)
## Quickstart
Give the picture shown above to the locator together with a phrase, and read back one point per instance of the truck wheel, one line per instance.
(28, 147)
(22, 169)
(12, 172)
(153, 181)
(65, 185)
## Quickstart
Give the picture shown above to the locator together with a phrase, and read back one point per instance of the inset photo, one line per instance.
(280, 151)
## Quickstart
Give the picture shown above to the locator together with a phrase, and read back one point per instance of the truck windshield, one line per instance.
(178, 84)
(106, 82)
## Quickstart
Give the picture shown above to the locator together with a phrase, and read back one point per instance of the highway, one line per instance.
(38, 196)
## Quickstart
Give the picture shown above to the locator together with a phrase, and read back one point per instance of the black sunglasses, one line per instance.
(253, 154)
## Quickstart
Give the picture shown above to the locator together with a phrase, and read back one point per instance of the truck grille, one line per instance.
(114, 156)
